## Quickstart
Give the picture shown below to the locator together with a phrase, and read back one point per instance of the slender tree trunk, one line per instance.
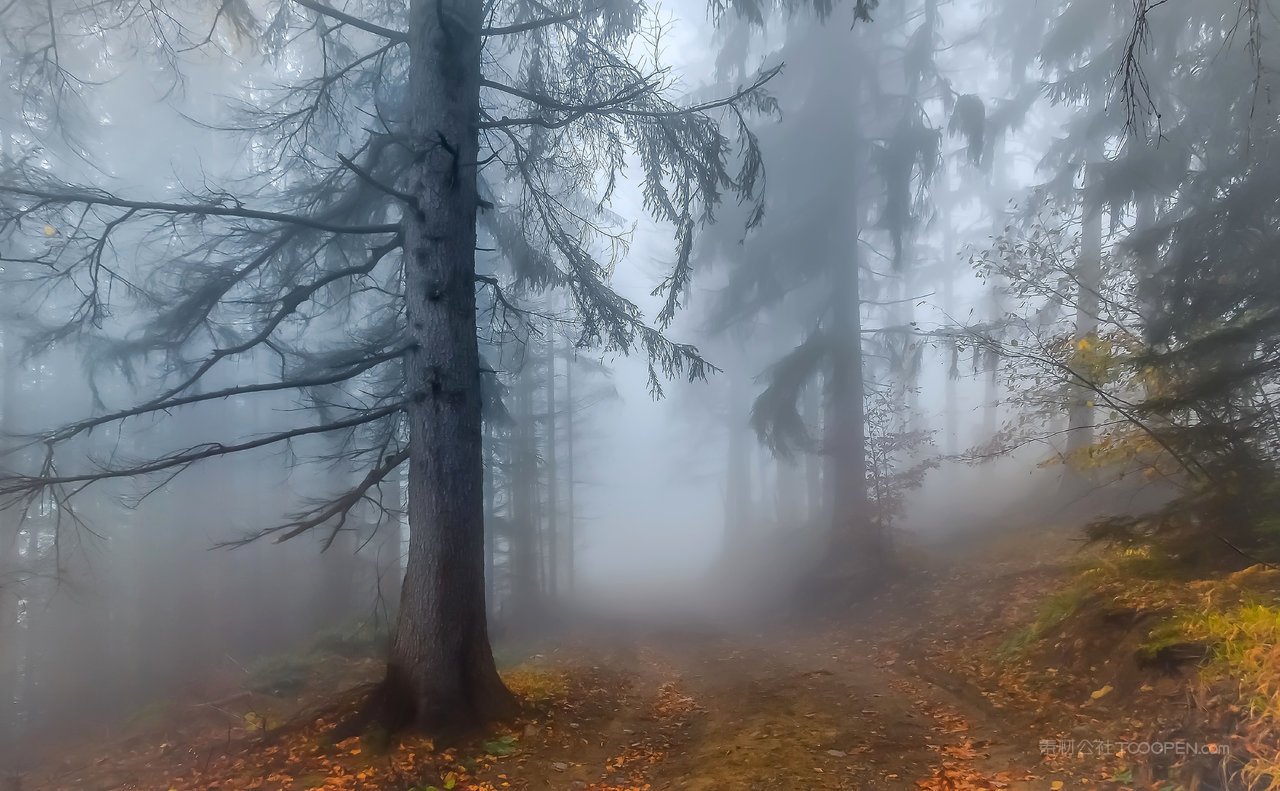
(787, 473)
(991, 360)
(537, 500)
(524, 504)
(813, 461)
(1148, 259)
(386, 540)
(1088, 282)
(990, 395)
(12, 642)
(441, 673)
(738, 485)
(553, 480)
(334, 587)
(490, 510)
(571, 515)
(851, 509)
(765, 486)
(950, 404)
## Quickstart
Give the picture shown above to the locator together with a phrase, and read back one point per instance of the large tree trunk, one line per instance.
(441, 674)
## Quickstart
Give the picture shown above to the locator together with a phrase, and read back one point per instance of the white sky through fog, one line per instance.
(649, 511)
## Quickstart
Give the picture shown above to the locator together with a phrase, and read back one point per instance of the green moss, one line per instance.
(1245, 649)
(1053, 612)
(1167, 633)
(1059, 607)
(1016, 644)
(1246, 652)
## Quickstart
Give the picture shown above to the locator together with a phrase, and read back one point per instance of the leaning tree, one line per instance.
(365, 156)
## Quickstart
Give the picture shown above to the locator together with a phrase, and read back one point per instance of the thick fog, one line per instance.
(914, 237)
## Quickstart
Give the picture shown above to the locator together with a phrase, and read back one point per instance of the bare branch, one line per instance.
(23, 485)
(344, 374)
(95, 198)
(525, 27)
(354, 21)
(338, 508)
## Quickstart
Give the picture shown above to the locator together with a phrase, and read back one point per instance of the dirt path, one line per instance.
(849, 703)
(803, 708)
(853, 703)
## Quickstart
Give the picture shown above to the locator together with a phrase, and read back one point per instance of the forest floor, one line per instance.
(918, 688)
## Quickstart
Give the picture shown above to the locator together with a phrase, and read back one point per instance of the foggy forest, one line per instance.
(611, 395)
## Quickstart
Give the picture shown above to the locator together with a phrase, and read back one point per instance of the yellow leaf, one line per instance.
(450, 780)
(1101, 693)
(1083, 344)
(49, 230)
(1056, 785)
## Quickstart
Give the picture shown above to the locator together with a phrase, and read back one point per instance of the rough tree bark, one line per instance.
(441, 673)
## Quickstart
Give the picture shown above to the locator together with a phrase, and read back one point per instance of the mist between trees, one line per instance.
(456, 318)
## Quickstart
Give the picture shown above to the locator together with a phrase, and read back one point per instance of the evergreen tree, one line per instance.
(390, 134)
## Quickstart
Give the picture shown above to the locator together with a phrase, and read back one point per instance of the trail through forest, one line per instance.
(848, 703)
(833, 712)
(876, 700)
